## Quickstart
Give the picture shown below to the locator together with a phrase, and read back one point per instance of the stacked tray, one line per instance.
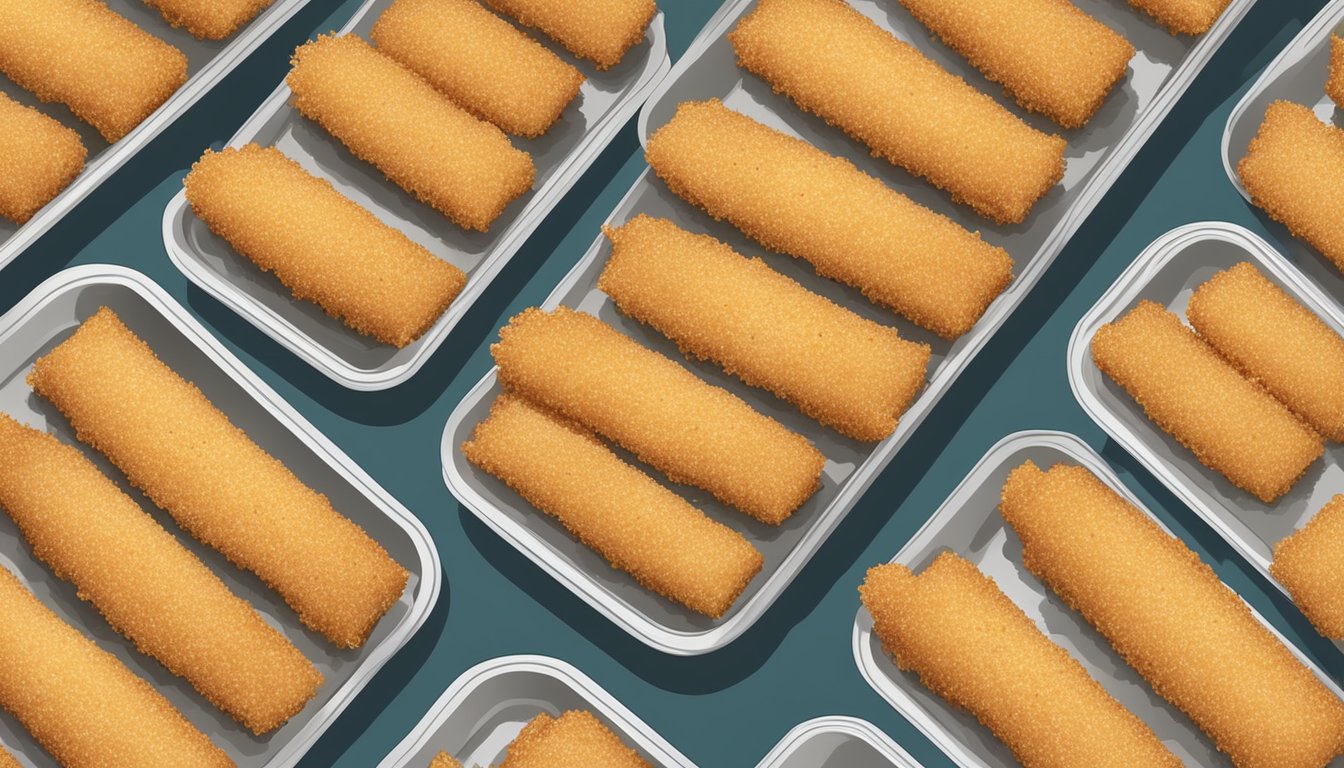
(837, 742)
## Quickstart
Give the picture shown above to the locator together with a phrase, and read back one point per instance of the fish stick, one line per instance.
(40, 157)
(7, 760)
(214, 20)
(444, 760)
(108, 71)
(972, 646)
(146, 584)
(386, 115)
(837, 367)
(575, 739)
(837, 64)
(1334, 83)
(1294, 171)
(1231, 424)
(598, 30)
(221, 487)
(1183, 17)
(480, 62)
(1307, 564)
(695, 433)
(639, 526)
(795, 199)
(1167, 614)
(321, 245)
(1274, 340)
(80, 702)
(1049, 56)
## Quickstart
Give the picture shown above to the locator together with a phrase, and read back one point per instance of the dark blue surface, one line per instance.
(728, 708)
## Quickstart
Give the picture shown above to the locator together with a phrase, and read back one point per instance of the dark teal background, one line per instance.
(728, 708)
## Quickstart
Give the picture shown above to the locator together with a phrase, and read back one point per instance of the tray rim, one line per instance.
(853, 727)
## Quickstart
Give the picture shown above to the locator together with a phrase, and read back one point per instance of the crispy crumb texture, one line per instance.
(40, 157)
(444, 760)
(1183, 17)
(1307, 563)
(598, 30)
(1334, 83)
(213, 20)
(575, 739)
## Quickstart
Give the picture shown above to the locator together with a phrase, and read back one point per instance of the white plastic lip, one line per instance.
(849, 727)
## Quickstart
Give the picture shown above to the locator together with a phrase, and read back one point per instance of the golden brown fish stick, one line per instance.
(575, 739)
(1334, 83)
(320, 244)
(793, 198)
(221, 487)
(1167, 614)
(214, 20)
(444, 760)
(110, 73)
(972, 646)
(80, 702)
(1274, 340)
(1229, 422)
(147, 585)
(638, 525)
(836, 63)
(1294, 170)
(1048, 55)
(838, 368)
(695, 433)
(1183, 17)
(598, 30)
(1308, 565)
(386, 115)
(480, 62)
(7, 760)
(40, 157)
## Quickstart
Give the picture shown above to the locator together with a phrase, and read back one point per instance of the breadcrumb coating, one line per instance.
(40, 157)
(147, 585)
(1272, 339)
(598, 30)
(1334, 83)
(1308, 565)
(322, 246)
(80, 53)
(795, 199)
(7, 760)
(1183, 17)
(1048, 55)
(463, 167)
(1294, 170)
(1167, 614)
(973, 647)
(221, 487)
(480, 61)
(845, 371)
(575, 739)
(444, 760)
(640, 527)
(80, 702)
(697, 434)
(213, 20)
(1231, 424)
(837, 64)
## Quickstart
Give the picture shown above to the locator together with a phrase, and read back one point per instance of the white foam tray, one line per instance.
(837, 742)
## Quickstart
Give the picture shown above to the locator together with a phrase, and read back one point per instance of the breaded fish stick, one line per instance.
(108, 71)
(1194, 641)
(836, 63)
(444, 760)
(1230, 423)
(80, 702)
(1334, 84)
(1048, 55)
(320, 244)
(577, 366)
(214, 20)
(386, 115)
(598, 30)
(1183, 17)
(793, 198)
(838, 368)
(40, 157)
(221, 487)
(575, 739)
(480, 62)
(1294, 170)
(7, 760)
(1272, 339)
(146, 584)
(972, 646)
(1308, 565)
(638, 525)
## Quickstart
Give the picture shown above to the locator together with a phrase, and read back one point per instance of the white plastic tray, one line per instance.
(485, 708)
(606, 101)
(208, 61)
(969, 524)
(837, 742)
(1163, 68)
(49, 315)
(1167, 272)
